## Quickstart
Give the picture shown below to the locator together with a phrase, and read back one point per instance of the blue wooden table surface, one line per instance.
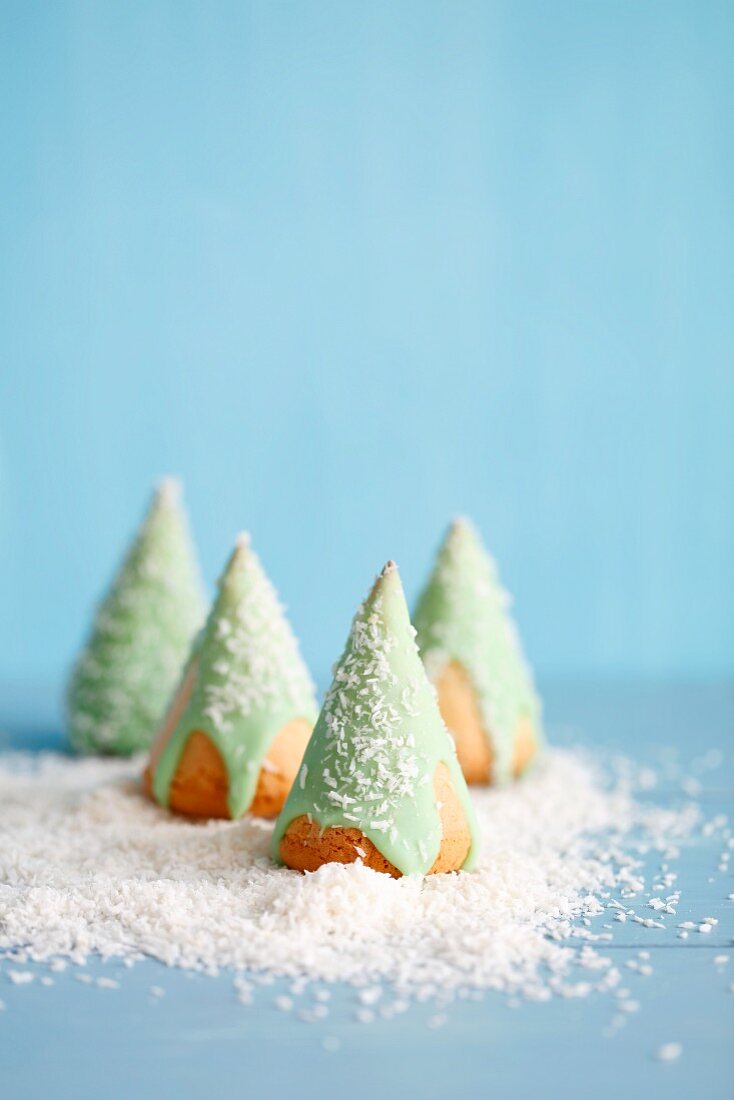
(75, 1039)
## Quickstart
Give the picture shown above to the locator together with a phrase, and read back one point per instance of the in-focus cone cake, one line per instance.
(142, 632)
(380, 780)
(472, 654)
(237, 727)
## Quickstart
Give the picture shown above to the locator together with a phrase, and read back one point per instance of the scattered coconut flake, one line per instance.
(370, 996)
(21, 977)
(669, 1052)
(439, 1020)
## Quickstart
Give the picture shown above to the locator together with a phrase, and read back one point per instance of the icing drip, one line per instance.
(463, 615)
(141, 634)
(250, 680)
(371, 760)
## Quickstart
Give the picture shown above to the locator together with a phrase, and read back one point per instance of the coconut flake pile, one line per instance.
(88, 865)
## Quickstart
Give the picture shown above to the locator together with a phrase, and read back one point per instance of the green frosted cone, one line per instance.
(250, 680)
(142, 631)
(463, 615)
(372, 757)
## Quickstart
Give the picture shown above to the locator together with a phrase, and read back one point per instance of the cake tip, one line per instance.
(168, 490)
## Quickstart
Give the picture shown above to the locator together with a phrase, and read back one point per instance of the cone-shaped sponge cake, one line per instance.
(141, 635)
(237, 728)
(380, 780)
(472, 653)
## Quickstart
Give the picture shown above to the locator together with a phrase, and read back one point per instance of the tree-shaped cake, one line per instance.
(472, 654)
(238, 725)
(141, 634)
(380, 780)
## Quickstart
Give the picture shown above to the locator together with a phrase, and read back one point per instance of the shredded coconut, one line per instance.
(258, 662)
(668, 1052)
(21, 977)
(88, 866)
(377, 747)
(142, 630)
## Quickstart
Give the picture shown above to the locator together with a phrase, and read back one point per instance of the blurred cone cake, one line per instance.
(237, 727)
(472, 654)
(141, 634)
(380, 781)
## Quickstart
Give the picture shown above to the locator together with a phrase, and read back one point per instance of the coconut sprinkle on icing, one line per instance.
(250, 679)
(141, 635)
(464, 615)
(378, 740)
(255, 661)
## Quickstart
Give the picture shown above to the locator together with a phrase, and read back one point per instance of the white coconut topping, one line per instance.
(669, 1052)
(169, 491)
(140, 636)
(93, 867)
(370, 763)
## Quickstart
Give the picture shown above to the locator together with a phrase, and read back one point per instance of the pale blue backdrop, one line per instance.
(349, 268)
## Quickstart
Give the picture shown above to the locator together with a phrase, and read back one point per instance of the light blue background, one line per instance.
(350, 268)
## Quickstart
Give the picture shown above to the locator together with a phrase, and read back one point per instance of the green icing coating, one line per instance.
(463, 615)
(372, 756)
(250, 680)
(142, 631)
